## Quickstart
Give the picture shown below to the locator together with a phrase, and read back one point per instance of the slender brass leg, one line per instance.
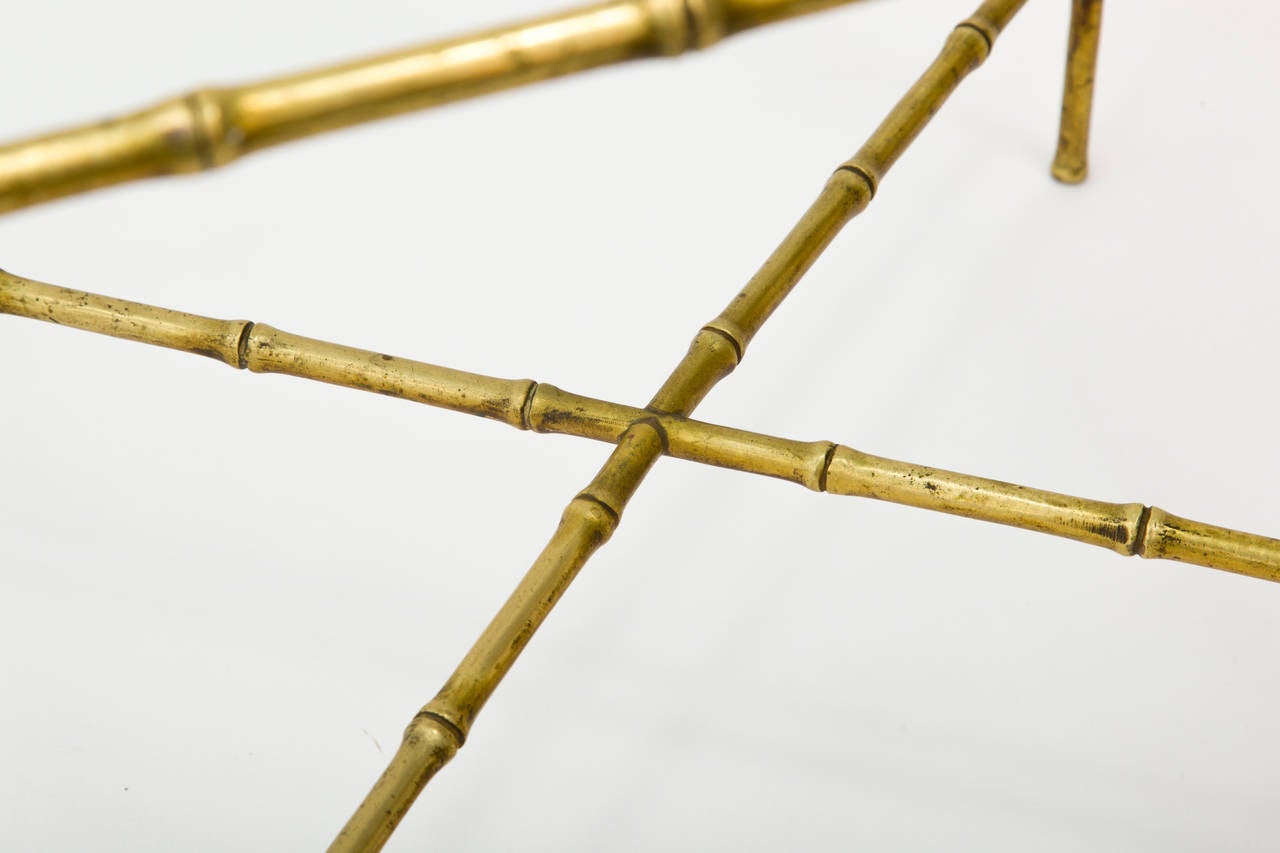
(1071, 163)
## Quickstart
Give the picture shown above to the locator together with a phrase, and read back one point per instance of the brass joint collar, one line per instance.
(706, 22)
(733, 333)
(215, 142)
(984, 25)
(443, 720)
(869, 176)
(682, 25)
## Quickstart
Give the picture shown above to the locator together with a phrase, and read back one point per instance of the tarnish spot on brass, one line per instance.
(1112, 532)
(207, 352)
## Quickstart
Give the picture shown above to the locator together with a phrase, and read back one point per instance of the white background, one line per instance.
(225, 594)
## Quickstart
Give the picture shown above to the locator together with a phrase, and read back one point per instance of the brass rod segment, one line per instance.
(1169, 537)
(853, 184)
(715, 351)
(739, 15)
(967, 47)
(591, 517)
(588, 521)
(1108, 525)
(280, 110)
(269, 350)
(213, 126)
(1129, 528)
(120, 318)
(844, 197)
(428, 744)
(992, 17)
(1071, 162)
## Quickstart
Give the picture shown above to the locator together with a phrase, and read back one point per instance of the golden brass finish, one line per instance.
(822, 466)
(1128, 529)
(1071, 163)
(212, 127)
(590, 518)
(427, 746)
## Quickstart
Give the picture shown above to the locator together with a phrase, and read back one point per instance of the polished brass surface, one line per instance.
(716, 350)
(1071, 163)
(1129, 528)
(211, 127)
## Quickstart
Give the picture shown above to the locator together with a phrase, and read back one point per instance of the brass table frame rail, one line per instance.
(823, 466)
(210, 127)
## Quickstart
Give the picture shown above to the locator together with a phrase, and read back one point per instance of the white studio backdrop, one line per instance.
(225, 594)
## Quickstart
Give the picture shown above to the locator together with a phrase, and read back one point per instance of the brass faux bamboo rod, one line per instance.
(1130, 528)
(440, 728)
(210, 127)
(1071, 163)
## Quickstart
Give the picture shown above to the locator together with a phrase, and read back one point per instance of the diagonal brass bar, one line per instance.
(1071, 162)
(211, 127)
(442, 725)
(440, 728)
(1130, 528)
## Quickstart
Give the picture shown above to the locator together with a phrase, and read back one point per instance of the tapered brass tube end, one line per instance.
(1069, 170)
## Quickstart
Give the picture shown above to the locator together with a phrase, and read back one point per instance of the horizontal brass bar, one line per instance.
(1126, 528)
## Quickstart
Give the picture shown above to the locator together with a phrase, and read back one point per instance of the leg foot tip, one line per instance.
(1069, 173)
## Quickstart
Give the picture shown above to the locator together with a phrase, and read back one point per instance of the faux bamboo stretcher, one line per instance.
(209, 128)
(823, 466)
